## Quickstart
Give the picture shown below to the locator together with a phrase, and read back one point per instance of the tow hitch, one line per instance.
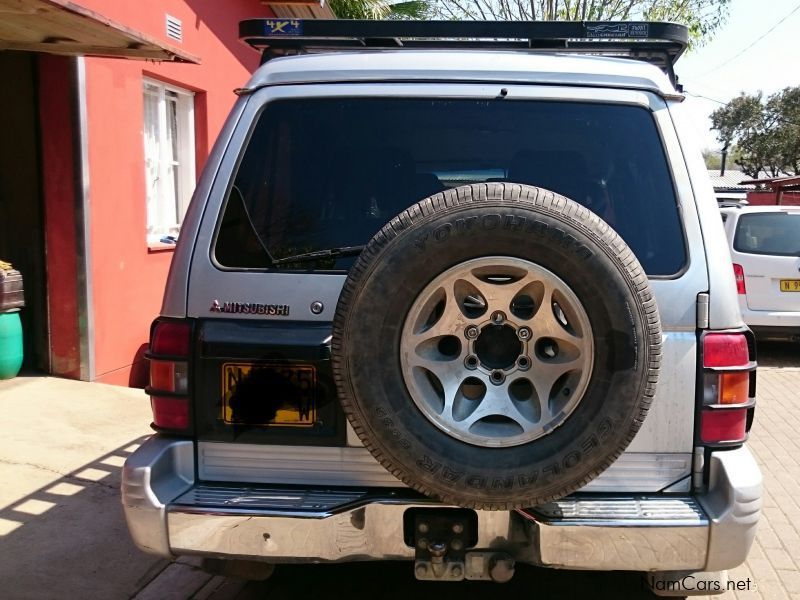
(443, 539)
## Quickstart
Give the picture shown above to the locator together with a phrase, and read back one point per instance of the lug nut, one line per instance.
(421, 570)
(497, 377)
(471, 332)
(457, 571)
(471, 362)
(423, 528)
(498, 317)
(524, 363)
(524, 333)
(456, 544)
(458, 528)
(422, 543)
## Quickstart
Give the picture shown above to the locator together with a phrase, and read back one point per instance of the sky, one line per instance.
(713, 74)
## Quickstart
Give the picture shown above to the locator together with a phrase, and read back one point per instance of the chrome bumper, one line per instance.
(169, 514)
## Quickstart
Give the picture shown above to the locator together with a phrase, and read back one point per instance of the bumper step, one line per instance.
(652, 511)
(282, 500)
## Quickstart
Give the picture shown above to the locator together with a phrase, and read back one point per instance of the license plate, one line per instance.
(790, 285)
(269, 395)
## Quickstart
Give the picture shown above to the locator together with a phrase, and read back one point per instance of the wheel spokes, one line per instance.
(497, 351)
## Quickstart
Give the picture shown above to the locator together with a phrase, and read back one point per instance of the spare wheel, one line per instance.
(496, 346)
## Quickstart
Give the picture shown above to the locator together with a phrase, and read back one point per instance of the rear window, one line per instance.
(328, 173)
(774, 233)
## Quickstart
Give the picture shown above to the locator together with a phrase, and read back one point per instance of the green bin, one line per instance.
(10, 344)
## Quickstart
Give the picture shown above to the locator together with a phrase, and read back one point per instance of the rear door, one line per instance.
(767, 245)
(321, 177)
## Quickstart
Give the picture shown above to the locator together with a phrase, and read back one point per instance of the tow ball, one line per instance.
(444, 543)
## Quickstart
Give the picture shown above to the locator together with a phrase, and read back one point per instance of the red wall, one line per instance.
(58, 191)
(127, 277)
(769, 198)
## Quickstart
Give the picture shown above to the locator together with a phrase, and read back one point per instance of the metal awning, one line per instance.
(63, 27)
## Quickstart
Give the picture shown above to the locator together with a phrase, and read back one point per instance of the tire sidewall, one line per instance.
(596, 431)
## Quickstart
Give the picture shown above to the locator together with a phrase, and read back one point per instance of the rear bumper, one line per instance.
(772, 324)
(169, 514)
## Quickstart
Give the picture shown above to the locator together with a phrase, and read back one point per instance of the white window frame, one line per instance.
(167, 194)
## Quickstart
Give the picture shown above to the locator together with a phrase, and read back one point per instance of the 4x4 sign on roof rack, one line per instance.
(656, 42)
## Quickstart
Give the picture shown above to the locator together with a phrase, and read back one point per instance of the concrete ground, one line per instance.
(62, 533)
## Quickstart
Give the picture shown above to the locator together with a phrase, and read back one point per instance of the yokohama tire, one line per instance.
(599, 296)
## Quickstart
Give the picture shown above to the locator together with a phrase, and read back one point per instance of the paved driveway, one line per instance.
(62, 534)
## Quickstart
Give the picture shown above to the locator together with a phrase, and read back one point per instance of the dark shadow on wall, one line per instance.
(21, 210)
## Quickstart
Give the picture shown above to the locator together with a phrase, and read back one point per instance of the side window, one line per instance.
(169, 157)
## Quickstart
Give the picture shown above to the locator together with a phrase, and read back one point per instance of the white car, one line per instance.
(765, 248)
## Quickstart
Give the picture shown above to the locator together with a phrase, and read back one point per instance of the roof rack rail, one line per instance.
(657, 42)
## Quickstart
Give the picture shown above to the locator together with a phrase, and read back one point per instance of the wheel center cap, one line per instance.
(498, 346)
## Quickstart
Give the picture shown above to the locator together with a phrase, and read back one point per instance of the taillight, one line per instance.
(738, 273)
(729, 377)
(170, 347)
(170, 413)
(727, 426)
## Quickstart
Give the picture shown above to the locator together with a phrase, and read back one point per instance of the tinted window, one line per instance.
(331, 172)
(776, 233)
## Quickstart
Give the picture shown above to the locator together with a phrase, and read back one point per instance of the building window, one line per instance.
(168, 156)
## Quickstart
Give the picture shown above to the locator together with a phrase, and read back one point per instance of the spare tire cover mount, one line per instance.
(496, 346)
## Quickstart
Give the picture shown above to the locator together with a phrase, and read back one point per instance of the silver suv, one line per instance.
(458, 294)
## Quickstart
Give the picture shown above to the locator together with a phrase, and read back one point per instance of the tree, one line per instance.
(712, 159)
(379, 9)
(702, 17)
(766, 132)
(785, 108)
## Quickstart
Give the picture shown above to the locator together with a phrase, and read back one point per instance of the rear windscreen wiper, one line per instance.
(318, 254)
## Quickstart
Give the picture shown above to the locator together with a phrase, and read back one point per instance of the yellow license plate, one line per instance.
(790, 285)
(270, 395)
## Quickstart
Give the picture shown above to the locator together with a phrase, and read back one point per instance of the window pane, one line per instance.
(169, 158)
(775, 233)
(331, 172)
(151, 156)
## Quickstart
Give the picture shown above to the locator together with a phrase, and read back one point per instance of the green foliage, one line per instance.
(412, 9)
(380, 9)
(712, 159)
(360, 9)
(702, 17)
(766, 132)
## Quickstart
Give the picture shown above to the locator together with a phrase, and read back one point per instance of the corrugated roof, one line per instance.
(730, 181)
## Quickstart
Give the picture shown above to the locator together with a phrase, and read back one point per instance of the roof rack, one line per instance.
(656, 42)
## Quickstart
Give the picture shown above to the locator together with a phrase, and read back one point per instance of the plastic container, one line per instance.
(10, 344)
(11, 292)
